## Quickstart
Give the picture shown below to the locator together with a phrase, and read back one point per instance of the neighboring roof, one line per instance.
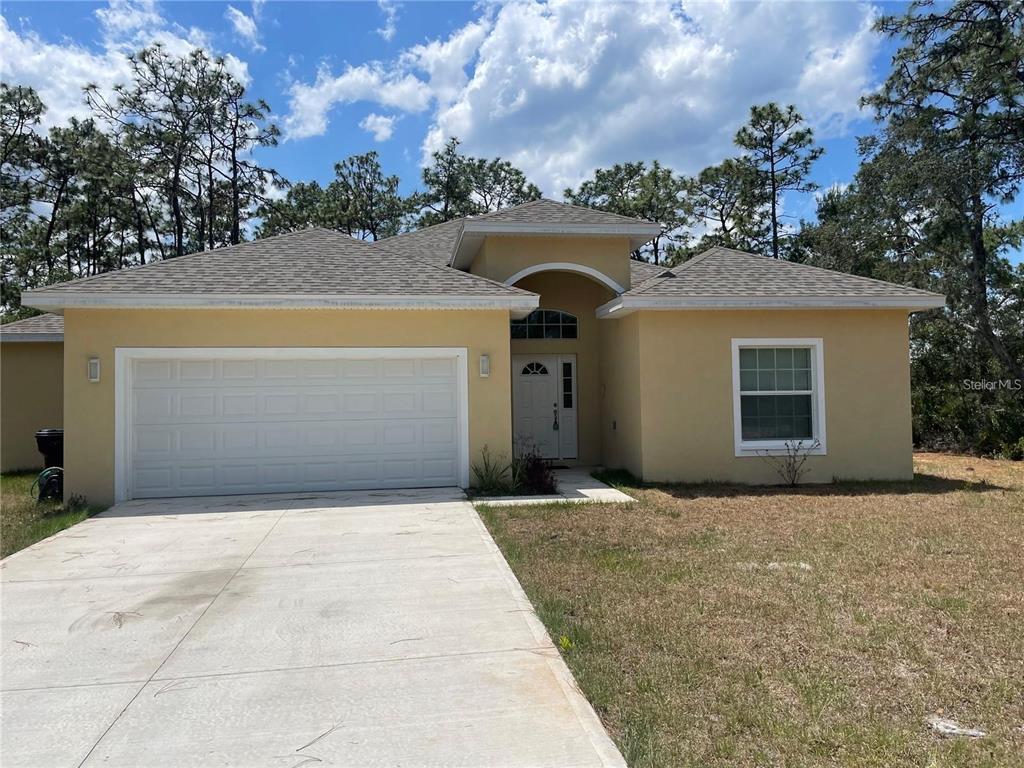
(41, 328)
(309, 268)
(725, 278)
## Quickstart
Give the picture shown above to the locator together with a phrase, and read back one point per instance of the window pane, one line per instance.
(775, 417)
(766, 359)
(748, 381)
(748, 358)
(802, 358)
(568, 319)
(802, 380)
(569, 331)
(784, 379)
(766, 380)
(784, 358)
(552, 331)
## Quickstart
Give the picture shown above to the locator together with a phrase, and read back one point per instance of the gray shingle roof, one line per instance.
(22, 330)
(433, 245)
(545, 211)
(307, 262)
(722, 272)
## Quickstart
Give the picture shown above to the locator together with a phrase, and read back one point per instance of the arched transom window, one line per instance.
(546, 324)
(535, 369)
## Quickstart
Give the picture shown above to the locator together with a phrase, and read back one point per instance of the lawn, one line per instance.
(718, 625)
(24, 521)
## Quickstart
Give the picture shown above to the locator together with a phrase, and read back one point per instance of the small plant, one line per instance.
(532, 474)
(492, 475)
(790, 465)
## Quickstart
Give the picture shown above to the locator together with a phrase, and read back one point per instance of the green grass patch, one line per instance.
(24, 521)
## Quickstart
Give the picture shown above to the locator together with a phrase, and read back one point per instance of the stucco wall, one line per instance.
(621, 407)
(502, 256)
(686, 389)
(579, 296)
(31, 398)
(89, 428)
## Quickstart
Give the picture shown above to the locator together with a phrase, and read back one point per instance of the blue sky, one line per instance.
(557, 88)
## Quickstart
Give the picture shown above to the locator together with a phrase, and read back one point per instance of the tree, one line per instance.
(186, 120)
(652, 193)
(952, 111)
(719, 199)
(449, 187)
(374, 208)
(779, 153)
(304, 205)
(497, 184)
(458, 185)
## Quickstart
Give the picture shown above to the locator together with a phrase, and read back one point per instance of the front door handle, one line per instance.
(554, 416)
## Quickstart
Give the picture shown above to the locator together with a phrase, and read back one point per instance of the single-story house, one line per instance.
(313, 361)
(31, 387)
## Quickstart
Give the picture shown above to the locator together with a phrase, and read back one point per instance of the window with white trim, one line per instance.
(778, 395)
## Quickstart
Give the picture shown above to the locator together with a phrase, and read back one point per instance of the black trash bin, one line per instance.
(51, 444)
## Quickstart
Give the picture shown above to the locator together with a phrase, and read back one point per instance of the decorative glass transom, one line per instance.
(535, 369)
(546, 324)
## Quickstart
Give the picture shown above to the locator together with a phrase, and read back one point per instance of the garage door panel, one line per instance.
(209, 425)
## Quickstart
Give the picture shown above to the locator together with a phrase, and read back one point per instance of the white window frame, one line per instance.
(777, 447)
(124, 356)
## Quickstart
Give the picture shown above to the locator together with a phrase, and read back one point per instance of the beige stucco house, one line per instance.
(311, 361)
(31, 387)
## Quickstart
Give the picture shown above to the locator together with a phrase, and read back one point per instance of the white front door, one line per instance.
(225, 421)
(544, 405)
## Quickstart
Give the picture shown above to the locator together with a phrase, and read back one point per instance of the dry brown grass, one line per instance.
(696, 651)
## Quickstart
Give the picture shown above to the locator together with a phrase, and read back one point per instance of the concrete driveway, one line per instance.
(356, 629)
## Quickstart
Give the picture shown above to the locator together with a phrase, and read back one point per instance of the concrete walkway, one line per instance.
(575, 485)
(351, 629)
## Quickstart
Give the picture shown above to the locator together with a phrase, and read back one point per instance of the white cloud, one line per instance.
(59, 71)
(310, 104)
(390, 10)
(245, 27)
(380, 126)
(563, 87)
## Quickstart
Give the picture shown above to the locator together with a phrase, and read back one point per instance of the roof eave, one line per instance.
(33, 337)
(624, 305)
(58, 302)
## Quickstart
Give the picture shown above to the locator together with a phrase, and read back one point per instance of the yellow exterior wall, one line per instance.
(501, 256)
(89, 428)
(31, 398)
(685, 374)
(579, 296)
(621, 406)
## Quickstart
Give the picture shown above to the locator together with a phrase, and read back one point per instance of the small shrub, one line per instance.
(790, 465)
(532, 474)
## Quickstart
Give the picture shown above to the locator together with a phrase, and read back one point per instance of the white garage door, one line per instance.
(251, 421)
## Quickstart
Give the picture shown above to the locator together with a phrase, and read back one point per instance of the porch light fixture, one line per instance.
(94, 369)
(485, 366)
